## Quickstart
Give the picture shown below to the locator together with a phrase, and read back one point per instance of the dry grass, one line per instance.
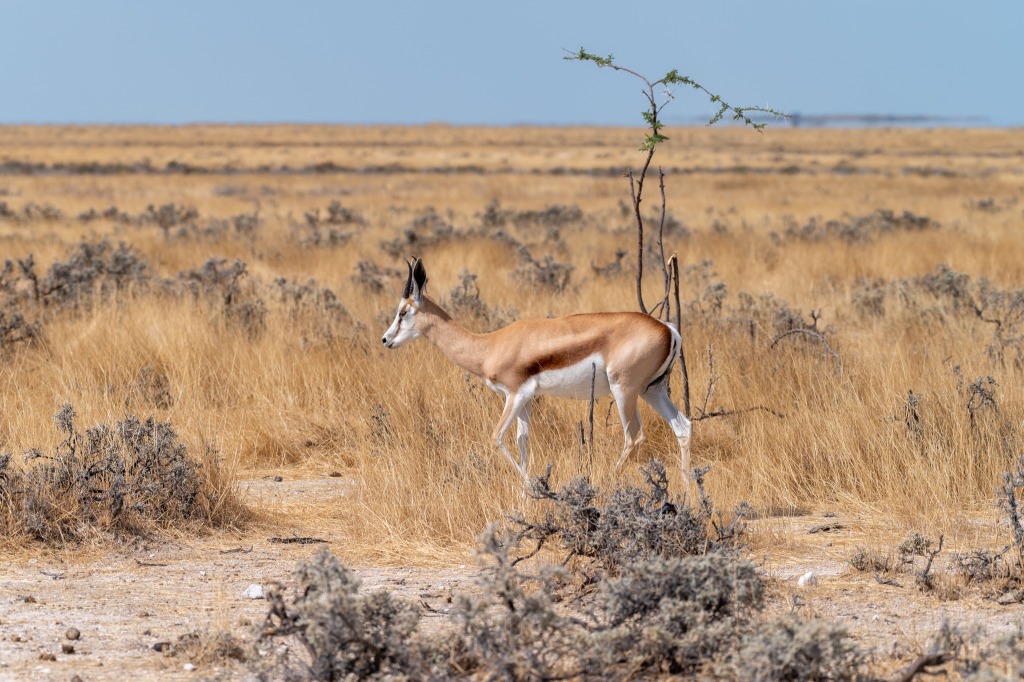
(312, 389)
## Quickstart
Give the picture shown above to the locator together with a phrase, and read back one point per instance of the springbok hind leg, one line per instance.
(657, 397)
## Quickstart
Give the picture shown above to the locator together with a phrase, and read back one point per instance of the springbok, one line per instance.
(626, 354)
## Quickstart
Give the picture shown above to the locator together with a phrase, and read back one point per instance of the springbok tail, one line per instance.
(673, 353)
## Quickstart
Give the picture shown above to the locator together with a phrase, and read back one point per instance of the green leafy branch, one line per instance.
(672, 78)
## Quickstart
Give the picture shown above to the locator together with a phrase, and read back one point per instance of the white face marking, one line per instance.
(403, 329)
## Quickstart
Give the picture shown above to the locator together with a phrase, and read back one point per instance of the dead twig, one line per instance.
(825, 528)
(922, 664)
(882, 580)
(712, 380)
(815, 334)
(236, 550)
(297, 540)
(729, 413)
(147, 564)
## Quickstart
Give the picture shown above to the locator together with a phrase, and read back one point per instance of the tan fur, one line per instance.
(635, 349)
(631, 342)
(631, 354)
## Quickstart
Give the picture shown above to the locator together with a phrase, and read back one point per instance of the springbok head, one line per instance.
(403, 329)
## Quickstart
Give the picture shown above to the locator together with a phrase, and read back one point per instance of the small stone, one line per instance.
(188, 667)
(254, 591)
(15, 638)
(278, 479)
(29, 599)
(808, 579)
(72, 633)
(76, 678)
(147, 632)
(47, 657)
(827, 544)
(161, 646)
(67, 648)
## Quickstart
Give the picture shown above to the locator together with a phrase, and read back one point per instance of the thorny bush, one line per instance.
(631, 524)
(660, 611)
(126, 479)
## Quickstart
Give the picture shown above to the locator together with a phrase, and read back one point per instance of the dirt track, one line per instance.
(125, 603)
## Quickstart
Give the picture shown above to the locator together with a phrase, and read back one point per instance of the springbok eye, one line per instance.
(402, 312)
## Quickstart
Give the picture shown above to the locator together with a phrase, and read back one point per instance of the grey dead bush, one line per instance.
(555, 216)
(317, 315)
(15, 330)
(1002, 659)
(218, 282)
(375, 278)
(170, 216)
(660, 612)
(860, 229)
(546, 273)
(797, 650)
(342, 634)
(30, 212)
(659, 616)
(93, 271)
(675, 615)
(125, 479)
(327, 230)
(464, 302)
(427, 229)
(629, 524)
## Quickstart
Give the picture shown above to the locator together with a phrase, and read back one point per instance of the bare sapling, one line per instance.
(655, 136)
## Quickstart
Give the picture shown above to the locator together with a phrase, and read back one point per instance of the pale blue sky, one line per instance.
(398, 61)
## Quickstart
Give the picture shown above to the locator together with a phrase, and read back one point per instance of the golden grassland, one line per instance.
(312, 391)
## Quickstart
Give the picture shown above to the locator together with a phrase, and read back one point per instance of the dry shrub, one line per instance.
(861, 229)
(1002, 659)
(688, 615)
(327, 231)
(124, 480)
(631, 524)
(798, 650)
(343, 634)
(655, 614)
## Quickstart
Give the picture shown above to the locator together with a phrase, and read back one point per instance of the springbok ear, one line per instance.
(407, 292)
(419, 280)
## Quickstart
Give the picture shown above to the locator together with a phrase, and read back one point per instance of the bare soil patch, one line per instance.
(128, 602)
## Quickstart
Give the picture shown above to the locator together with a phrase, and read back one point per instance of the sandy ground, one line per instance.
(125, 603)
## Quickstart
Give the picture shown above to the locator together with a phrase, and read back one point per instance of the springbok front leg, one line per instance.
(515, 404)
(523, 433)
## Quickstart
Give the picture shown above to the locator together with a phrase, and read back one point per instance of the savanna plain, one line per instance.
(195, 400)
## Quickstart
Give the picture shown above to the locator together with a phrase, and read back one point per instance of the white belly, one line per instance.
(574, 381)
